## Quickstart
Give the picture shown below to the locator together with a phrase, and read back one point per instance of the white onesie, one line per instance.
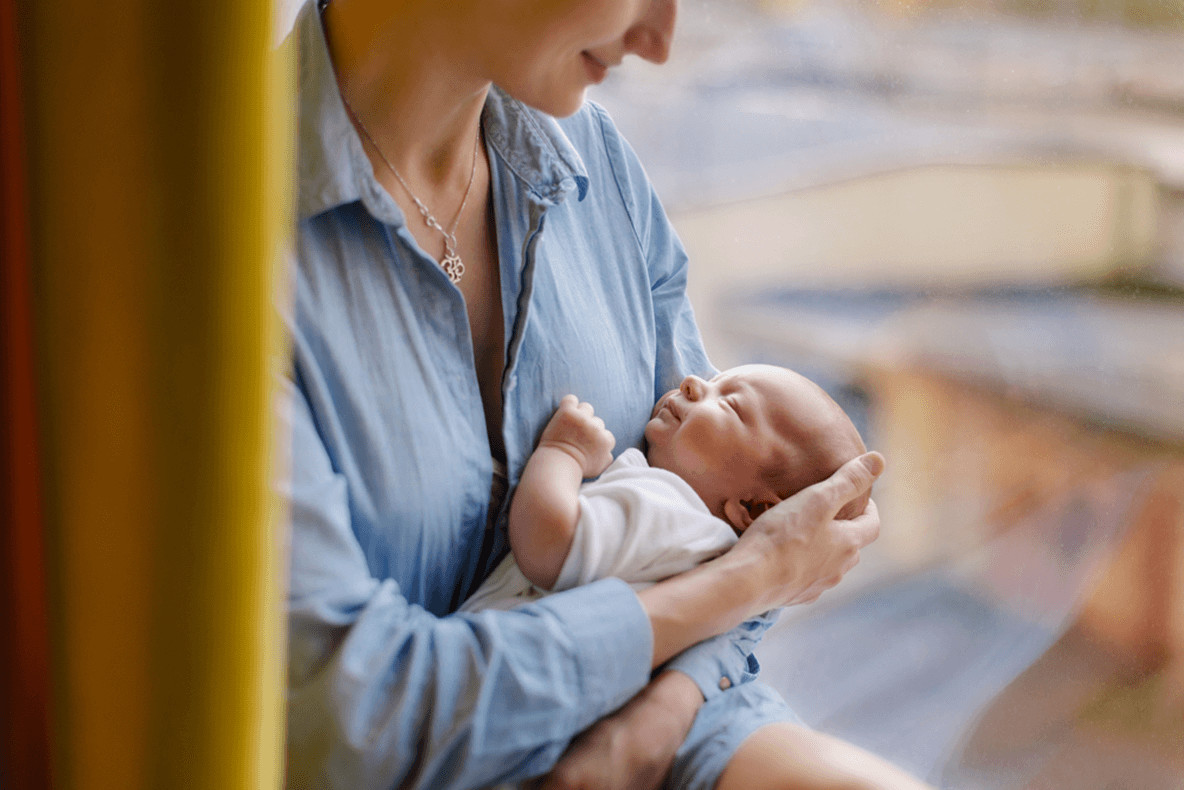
(637, 523)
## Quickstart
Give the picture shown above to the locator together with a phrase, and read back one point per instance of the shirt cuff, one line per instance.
(612, 639)
(717, 664)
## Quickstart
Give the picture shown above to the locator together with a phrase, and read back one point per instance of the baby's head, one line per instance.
(750, 437)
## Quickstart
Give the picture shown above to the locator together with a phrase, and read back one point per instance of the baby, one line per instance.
(718, 454)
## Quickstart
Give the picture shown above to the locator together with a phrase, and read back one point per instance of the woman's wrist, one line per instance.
(752, 567)
(674, 701)
(708, 600)
(666, 707)
(677, 692)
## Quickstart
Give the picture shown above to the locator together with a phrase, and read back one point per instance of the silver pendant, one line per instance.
(453, 266)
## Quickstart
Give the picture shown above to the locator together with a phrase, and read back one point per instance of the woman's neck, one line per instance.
(406, 76)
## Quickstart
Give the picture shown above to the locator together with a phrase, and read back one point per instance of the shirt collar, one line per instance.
(534, 147)
(333, 169)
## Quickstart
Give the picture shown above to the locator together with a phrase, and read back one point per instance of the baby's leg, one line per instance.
(783, 755)
(747, 738)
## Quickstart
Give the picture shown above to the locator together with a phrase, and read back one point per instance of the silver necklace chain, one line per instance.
(452, 265)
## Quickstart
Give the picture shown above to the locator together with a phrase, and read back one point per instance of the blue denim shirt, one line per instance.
(391, 470)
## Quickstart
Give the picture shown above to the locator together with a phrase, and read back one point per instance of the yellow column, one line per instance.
(159, 138)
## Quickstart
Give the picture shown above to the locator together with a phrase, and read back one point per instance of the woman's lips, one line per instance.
(596, 68)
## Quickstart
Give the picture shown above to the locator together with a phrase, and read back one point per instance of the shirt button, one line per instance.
(724, 684)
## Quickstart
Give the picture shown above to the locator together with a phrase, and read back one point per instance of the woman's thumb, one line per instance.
(854, 478)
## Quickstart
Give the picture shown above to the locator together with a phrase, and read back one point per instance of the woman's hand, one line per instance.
(633, 748)
(791, 554)
(577, 431)
(807, 550)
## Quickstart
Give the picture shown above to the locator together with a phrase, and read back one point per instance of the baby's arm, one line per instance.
(546, 506)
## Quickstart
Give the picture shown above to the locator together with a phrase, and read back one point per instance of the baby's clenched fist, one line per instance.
(576, 430)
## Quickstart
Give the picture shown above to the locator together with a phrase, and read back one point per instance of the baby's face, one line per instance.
(719, 434)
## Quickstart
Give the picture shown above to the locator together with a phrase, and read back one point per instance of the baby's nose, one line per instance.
(693, 387)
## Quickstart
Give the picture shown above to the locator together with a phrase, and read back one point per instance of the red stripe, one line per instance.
(24, 660)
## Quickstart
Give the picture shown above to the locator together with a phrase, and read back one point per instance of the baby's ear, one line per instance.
(742, 512)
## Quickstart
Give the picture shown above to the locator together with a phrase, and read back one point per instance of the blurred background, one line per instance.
(966, 220)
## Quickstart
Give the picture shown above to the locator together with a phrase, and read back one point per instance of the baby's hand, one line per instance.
(577, 431)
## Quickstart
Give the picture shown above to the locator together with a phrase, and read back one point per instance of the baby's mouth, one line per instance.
(666, 405)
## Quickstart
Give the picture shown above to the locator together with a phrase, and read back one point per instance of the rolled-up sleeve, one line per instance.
(724, 661)
(382, 693)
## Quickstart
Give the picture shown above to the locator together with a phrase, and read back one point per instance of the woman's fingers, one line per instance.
(802, 536)
(866, 527)
(851, 480)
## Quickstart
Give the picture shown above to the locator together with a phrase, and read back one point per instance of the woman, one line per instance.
(463, 261)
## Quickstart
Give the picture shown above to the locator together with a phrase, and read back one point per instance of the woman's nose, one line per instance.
(651, 35)
(693, 387)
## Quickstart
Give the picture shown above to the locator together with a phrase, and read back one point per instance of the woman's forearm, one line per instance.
(708, 600)
(636, 745)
